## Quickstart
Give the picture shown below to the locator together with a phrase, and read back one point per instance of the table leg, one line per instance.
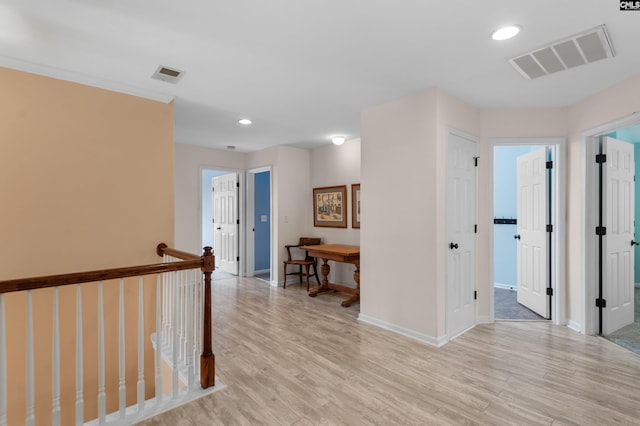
(324, 287)
(356, 297)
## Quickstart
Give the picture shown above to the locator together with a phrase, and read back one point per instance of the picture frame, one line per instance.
(355, 205)
(330, 206)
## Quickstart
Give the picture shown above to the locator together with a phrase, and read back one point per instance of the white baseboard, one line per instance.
(505, 286)
(424, 338)
(574, 326)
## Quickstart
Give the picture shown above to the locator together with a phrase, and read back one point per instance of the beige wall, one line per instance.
(333, 165)
(86, 180)
(397, 238)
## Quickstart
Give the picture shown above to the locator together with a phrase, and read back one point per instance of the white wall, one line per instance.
(333, 165)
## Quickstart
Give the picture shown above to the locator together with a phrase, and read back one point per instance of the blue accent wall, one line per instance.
(262, 229)
(505, 206)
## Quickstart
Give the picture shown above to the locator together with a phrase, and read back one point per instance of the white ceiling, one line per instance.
(303, 70)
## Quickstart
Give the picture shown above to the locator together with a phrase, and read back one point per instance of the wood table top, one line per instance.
(341, 249)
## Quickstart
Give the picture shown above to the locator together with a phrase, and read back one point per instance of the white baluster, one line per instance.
(184, 315)
(55, 411)
(3, 365)
(122, 388)
(189, 327)
(79, 360)
(158, 341)
(174, 339)
(31, 411)
(140, 345)
(102, 396)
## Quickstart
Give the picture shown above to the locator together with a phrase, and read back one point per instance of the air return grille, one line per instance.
(583, 48)
(170, 75)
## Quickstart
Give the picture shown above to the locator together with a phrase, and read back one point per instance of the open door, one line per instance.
(619, 186)
(225, 222)
(531, 231)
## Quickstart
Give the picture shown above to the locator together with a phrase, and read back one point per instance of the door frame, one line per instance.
(241, 211)
(589, 219)
(558, 213)
(250, 225)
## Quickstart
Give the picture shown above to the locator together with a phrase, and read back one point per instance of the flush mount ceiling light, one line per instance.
(337, 140)
(579, 49)
(245, 121)
(505, 33)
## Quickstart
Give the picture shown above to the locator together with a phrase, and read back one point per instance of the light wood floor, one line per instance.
(289, 359)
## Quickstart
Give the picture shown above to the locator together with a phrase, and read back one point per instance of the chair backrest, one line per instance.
(308, 241)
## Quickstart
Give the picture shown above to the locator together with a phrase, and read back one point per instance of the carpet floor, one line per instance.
(506, 306)
(629, 336)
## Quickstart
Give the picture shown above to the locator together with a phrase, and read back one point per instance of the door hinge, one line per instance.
(549, 164)
(213, 221)
(475, 160)
(601, 158)
(601, 230)
(549, 291)
(549, 228)
(601, 303)
(475, 229)
(475, 294)
(237, 221)
(237, 184)
(238, 258)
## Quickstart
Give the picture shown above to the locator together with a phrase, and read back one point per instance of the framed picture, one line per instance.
(330, 206)
(355, 205)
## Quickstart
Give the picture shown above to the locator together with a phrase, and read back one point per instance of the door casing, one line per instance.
(558, 239)
(589, 220)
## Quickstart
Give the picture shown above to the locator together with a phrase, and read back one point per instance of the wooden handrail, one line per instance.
(206, 263)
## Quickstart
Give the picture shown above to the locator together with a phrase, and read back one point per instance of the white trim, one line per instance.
(424, 338)
(574, 326)
(250, 224)
(559, 149)
(513, 287)
(589, 216)
(75, 77)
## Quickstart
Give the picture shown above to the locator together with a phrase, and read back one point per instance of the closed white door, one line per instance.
(461, 234)
(531, 231)
(225, 222)
(619, 185)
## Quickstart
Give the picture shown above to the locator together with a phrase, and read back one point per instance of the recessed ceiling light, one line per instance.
(337, 140)
(505, 33)
(245, 121)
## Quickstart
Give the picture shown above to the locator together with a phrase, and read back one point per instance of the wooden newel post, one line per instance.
(207, 359)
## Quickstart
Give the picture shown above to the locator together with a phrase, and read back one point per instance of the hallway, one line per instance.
(288, 359)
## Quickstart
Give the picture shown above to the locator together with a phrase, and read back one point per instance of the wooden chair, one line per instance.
(307, 262)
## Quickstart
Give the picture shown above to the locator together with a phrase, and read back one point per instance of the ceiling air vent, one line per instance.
(579, 49)
(170, 75)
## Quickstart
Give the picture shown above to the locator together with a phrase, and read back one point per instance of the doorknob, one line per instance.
(218, 228)
(635, 243)
(517, 237)
(453, 246)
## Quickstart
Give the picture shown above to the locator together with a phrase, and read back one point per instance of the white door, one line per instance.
(531, 231)
(619, 185)
(225, 222)
(461, 234)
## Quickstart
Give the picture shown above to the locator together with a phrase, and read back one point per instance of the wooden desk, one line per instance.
(338, 253)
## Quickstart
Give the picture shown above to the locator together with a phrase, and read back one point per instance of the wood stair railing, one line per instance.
(188, 261)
